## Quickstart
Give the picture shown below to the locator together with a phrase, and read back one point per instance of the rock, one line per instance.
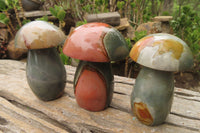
(130, 32)
(160, 25)
(163, 18)
(30, 5)
(166, 28)
(150, 27)
(124, 24)
(112, 18)
(3, 36)
(15, 53)
(165, 25)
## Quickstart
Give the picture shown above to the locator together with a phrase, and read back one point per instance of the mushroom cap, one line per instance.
(96, 42)
(162, 51)
(39, 35)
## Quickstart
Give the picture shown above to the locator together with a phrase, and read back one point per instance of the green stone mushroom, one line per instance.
(45, 71)
(160, 55)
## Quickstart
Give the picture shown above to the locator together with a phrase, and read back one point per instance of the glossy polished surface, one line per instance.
(90, 91)
(45, 73)
(162, 52)
(115, 45)
(152, 96)
(93, 85)
(96, 42)
(85, 43)
(39, 35)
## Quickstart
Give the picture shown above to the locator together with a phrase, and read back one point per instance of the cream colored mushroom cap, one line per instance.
(39, 35)
(162, 51)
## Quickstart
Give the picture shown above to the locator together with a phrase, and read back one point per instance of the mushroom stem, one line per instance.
(93, 85)
(152, 96)
(45, 73)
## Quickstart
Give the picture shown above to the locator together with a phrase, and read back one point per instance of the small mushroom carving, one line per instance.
(95, 45)
(160, 55)
(45, 71)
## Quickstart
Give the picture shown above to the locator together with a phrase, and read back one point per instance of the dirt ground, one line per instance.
(188, 81)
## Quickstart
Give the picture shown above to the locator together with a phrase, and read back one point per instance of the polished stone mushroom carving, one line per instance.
(45, 71)
(95, 45)
(160, 55)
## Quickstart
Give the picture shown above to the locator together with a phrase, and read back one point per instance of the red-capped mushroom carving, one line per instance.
(95, 44)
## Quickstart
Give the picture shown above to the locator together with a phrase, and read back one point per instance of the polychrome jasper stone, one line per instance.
(93, 85)
(45, 71)
(39, 35)
(159, 54)
(152, 97)
(96, 42)
(162, 51)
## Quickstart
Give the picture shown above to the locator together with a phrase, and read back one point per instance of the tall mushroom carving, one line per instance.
(95, 45)
(45, 71)
(160, 55)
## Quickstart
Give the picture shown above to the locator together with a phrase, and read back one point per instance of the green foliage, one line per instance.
(79, 23)
(120, 4)
(11, 3)
(187, 27)
(58, 12)
(5, 5)
(4, 19)
(128, 42)
(166, 13)
(44, 18)
(147, 15)
(95, 6)
(2, 5)
(133, 5)
(25, 21)
(101, 5)
(65, 59)
(139, 35)
(87, 8)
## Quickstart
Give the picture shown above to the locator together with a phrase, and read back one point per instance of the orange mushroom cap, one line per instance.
(96, 42)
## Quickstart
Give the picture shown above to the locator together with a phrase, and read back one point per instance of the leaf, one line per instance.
(9, 3)
(53, 11)
(139, 35)
(25, 21)
(3, 19)
(133, 5)
(61, 15)
(120, 4)
(65, 59)
(44, 18)
(2, 5)
(2, 16)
